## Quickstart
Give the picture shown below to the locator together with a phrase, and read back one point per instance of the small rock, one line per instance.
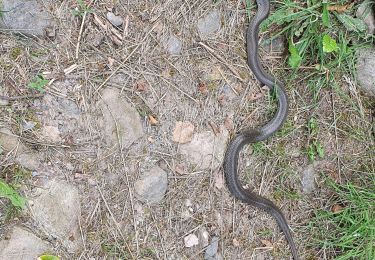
(152, 187)
(366, 12)
(115, 20)
(29, 160)
(308, 179)
(57, 210)
(365, 70)
(27, 17)
(209, 24)
(173, 45)
(119, 119)
(211, 250)
(203, 236)
(191, 240)
(22, 244)
(206, 149)
(277, 44)
(183, 132)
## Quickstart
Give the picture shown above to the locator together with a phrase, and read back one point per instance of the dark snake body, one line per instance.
(257, 135)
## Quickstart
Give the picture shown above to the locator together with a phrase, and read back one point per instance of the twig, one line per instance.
(21, 97)
(80, 33)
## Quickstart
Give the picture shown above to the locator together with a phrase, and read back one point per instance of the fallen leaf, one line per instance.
(255, 96)
(339, 8)
(141, 85)
(222, 99)
(178, 168)
(191, 240)
(183, 132)
(152, 120)
(266, 243)
(202, 88)
(228, 123)
(336, 208)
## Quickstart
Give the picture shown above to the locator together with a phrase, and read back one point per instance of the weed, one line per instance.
(82, 8)
(6, 191)
(38, 83)
(347, 229)
(315, 148)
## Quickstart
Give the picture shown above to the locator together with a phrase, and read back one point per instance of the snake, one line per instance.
(250, 135)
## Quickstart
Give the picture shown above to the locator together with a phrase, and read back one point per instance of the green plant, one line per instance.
(38, 83)
(315, 148)
(347, 229)
(82, 8)
(322, 41)
(8, 192)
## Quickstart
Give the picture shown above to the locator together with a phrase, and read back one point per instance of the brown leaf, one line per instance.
(339, 8)
(152, 120)
(202, 88)
(336, 208)
(255, 96)
(183, 132)
(141, 85)
(178, 168)
(222, 99)
(228, 123)
(214, 127)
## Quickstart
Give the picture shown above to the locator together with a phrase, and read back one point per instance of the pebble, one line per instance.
(365, 70)
(211, 250)
(191, 240)
(115, 20)
(308, 179)
(173, 45)
(209, 24)
(152, 187)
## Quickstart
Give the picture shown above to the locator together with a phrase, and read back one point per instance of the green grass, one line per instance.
(348, 233)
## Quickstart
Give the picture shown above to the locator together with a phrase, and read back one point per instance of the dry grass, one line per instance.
(114, 224)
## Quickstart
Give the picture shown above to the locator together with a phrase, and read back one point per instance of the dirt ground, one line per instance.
(216, 92)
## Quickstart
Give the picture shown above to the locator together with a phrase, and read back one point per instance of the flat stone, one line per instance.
(114, 19)
(209, 24)
(365, 70)
(366, 12)
(22, 244)
(152, 186)
(119, 118)
(308, 179)
(56, 211)
(29, 160)
(211, 250)
(206, 149)
(173, 45)
(27, 17)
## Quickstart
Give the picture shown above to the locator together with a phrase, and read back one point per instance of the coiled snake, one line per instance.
(256, 135)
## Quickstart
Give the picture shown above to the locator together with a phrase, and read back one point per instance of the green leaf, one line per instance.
(329, 44)
(352, 24)
(48, 257)
(325, 15)
(294, 59)
(319, 149)
(8, 192)
(38, 83)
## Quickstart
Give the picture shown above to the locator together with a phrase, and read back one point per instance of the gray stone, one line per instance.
(29, 160)
(209, 24)
(152, 187)
(22, 244)
(27, 17)
(114, 19)
(173, 45)
(119, 118)
(56, 211)
(211, 250)
(365, 70)
(366, 12)
(206, 149)
(308, 179)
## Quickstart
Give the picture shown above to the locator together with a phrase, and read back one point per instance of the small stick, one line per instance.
(80, 34)
(21, 97)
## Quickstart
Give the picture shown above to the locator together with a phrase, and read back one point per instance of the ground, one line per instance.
(116, 135)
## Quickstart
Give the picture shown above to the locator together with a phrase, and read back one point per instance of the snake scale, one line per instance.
(256, 135)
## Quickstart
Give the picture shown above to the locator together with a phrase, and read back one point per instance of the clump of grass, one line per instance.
(323, 37)
(347, 229)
